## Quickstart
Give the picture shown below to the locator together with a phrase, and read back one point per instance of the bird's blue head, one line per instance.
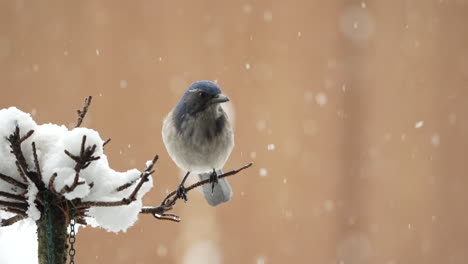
(199, 96)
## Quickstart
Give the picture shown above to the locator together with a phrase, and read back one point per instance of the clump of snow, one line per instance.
(51, 141)
(32, 212)
(15, 239)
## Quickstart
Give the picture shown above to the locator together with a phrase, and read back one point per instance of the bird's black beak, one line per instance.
(220, 98)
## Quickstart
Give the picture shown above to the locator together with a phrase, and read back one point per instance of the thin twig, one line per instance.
(143, 178)
(82, 162)
(51, 182)
(125, 186)
(21, 172)
(16, 205)
(14, 211)
(12, 181)
(200, 183)
(170, 200)
(132, 197)
(13, 196)
(82, 113)
(36, 161)
(106, 142)
(15, 144)
(30, 132)
(11, 220)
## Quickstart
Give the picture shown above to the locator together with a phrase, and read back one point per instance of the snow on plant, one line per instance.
(71, 164)
(50, 166)
(56, 176)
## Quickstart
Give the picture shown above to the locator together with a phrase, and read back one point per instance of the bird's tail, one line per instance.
(221, 193)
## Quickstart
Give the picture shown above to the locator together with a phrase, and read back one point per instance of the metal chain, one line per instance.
(71, 237)
(48, 219)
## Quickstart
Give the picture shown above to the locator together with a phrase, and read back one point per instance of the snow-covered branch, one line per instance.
(50, 165)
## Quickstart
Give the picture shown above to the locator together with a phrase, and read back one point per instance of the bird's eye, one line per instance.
(201, 94)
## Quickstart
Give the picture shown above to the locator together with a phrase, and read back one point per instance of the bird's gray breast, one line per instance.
(201, 142)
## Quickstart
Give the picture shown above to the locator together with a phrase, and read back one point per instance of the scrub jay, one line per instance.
(199, 138)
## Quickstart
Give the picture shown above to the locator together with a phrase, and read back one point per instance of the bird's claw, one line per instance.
(213, 180)
(182, 193)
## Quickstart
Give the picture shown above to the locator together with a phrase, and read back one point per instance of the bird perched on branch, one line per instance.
(199, 138)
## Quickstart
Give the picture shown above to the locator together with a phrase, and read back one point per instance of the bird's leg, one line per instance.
(213, 180)
(181, 191)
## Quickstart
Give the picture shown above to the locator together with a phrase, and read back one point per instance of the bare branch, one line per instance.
(105, 142)
(82, 162)
(167, 200)
(15, 205)
(148, 172)
(143, 178)
(30, 132)
(20, 171)
(13, 196)
(12, 181)
(159, 213)
(82, 113)
(14, 211)
(11, 220)
(168, 203)
(36, 161)
(15, 144)
(125, 186)
(132, 197)
(51, 183)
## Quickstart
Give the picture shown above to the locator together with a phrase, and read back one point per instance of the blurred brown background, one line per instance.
(353, 112)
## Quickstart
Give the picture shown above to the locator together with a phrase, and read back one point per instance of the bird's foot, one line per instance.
(181, 191)
(213, 180)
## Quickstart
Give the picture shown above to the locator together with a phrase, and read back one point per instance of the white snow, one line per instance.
(161, 250)
(261, 125)
(268, 15)
(419, 124)
(321, 99)
(261, 260)
(51, 141)
(32, 212)
(123, 84)
(435, 140)
(328, 205)
(15, 238)
(271, 147)
(247, 8)
(263, 172)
